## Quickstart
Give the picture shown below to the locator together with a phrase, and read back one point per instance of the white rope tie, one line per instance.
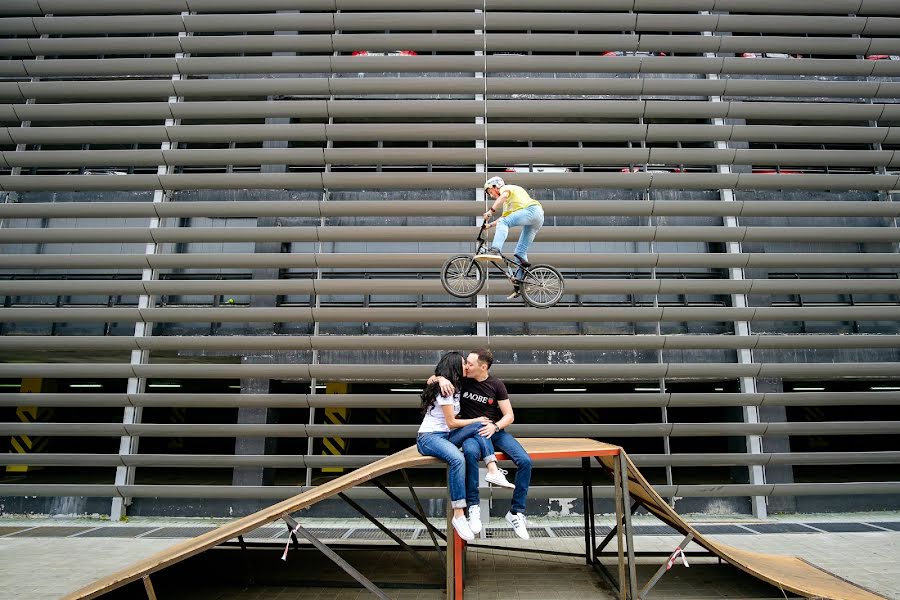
(679, 551)
(287, 545)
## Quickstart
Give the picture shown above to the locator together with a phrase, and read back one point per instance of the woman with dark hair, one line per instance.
(441, 434)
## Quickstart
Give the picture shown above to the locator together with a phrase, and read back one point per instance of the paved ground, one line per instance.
(35, 562)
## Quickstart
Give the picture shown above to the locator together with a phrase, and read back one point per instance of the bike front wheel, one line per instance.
(543, 286)
(462, 276)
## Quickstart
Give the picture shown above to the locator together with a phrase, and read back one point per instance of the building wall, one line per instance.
(221, 238)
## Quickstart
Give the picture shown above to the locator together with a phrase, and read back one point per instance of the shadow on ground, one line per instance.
(259, 573)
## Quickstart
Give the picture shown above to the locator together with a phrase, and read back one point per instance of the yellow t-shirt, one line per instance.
(517, 200)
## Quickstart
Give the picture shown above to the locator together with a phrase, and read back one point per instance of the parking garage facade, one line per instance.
(221, 236)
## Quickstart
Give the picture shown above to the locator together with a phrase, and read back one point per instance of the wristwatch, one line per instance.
(496, 428)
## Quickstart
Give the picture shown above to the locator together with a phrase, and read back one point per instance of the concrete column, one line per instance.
(252, 476)
(258, 445)
(745, 355)
(780, 444)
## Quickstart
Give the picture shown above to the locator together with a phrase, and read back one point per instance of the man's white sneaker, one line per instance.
(517, 522)
(475, 519)
(499, 478)
(462, 528)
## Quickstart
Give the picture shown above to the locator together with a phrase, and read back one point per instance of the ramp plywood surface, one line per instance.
(787, 572)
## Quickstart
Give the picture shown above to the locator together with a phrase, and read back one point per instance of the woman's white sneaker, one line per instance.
(499, 478)
(462, 528)
(518, 524)
(475, 519)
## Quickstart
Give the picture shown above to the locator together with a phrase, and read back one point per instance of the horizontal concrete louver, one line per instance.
(361, 126)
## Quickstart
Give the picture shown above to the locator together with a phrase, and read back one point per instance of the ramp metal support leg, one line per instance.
(148, 587)
(347, 567)
(626, 500)
(418, 515)
(421, 560)
(612, 533)
(620, 524)
(664, 567)
(589, 532)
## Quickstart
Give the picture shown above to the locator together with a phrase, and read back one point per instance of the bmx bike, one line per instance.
(541, 286)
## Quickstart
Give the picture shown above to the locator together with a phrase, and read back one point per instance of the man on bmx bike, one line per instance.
(519, 210)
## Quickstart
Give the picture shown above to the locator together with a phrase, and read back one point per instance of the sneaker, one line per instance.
(490, 254)
(517, 522)
(475, 519)
(462, 528)
(499, 478)
(522, 261)
(516, 293)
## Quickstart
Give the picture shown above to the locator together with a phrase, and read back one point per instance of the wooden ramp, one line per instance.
(788, 573)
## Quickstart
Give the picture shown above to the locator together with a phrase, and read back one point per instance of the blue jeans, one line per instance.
(444, 445)
(506, 443)
(470, 432)
(530, 219)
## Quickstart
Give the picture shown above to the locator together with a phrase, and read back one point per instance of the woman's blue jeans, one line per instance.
(445, 446)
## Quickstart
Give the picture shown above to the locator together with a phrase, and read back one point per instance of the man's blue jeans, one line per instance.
(508, 444)
(445, 446)
(530, 219)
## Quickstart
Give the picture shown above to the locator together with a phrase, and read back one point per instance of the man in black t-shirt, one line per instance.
(485, 395)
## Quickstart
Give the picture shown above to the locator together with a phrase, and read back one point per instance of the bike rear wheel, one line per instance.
(462, 276)
(543, 286)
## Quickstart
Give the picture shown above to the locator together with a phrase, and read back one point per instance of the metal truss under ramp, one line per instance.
(788, 573)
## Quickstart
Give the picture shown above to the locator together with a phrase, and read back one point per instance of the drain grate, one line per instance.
(264, 533)
(601, 530)
(654, 530)
(51, 532)
(179, 532)
(377, 534)
(722, 529)
(497, 533)
(117, 532)
(780, 528)
(323, 533)
(843, 527)
(568, 531)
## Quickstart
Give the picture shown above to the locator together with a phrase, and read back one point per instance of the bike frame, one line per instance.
(509, 267)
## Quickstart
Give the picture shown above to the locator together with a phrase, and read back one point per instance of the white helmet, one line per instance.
(493, 182)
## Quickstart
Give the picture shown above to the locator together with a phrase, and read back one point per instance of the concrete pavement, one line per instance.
(49, 557)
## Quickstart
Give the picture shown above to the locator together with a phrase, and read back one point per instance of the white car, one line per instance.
(630, 53)
(768, 55)
(538, 169)
(389, 53)
(103, 172)
(652, 169)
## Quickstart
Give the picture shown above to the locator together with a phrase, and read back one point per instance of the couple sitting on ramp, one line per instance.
(465, 407)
